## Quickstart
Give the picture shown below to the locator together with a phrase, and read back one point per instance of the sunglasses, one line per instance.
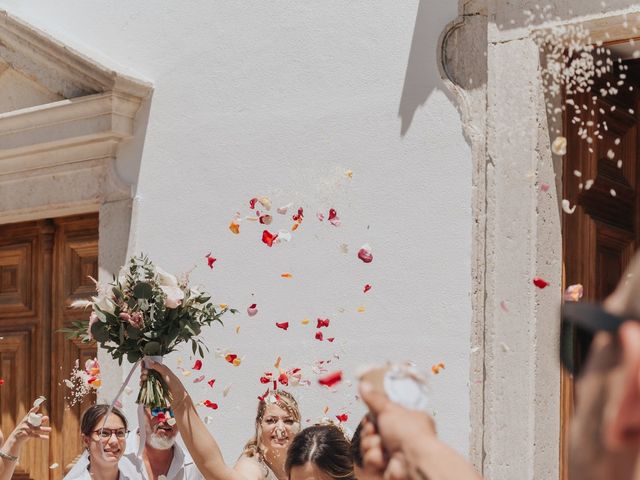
(580, 322)
(160, 410)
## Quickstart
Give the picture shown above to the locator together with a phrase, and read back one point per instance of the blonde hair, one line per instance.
(285, 401)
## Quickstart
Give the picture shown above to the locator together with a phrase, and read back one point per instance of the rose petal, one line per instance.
(322, 323)
(319, 335)
(343, 417)
(252, 310)
(331, 379)
(286, 275)
(283, 210)
(364, 254)
(210, 260)
(283, 325)
(333, 218)
(559, 146)
(540, 283)
(268, 238)
(283, 379)
(367, 287)
(236, 362)
(211, 382)
(298, 217)
(265, 202)
(566, 207)
(210, 404)
(283, 236)
(53, 466)
(199, 379)
(361, 309)
(305, 321)
(265, 219)
(436, 368)
(234, 227)
(230, 357)
(252, 203)
(330, 339)
(573, 293)
(197, 365)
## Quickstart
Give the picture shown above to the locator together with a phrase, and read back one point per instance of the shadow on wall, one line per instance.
(423, 75)
(129, 158)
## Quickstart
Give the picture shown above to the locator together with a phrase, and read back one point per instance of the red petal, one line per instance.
(230, 357)
(210, 260)
(319, 335)
(197, 365)
(331, 339)
(365, 255)
(283, 379)
(264, 380)
(367, 287)
(540, 283)
(252, 203)
(210, 404)
(265, 219)
(332, 214)
(322, 323)
(268, 237)
(343, 417)
(283, 325)
(298, 216)
(331, 379)
(295, 370)
(211, 382)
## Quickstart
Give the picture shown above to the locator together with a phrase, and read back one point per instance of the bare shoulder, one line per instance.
(250, 468)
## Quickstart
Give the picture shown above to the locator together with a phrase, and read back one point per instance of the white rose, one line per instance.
(166, 279)
(174, 296)
(105, 304)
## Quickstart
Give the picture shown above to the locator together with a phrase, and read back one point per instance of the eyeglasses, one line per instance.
(158, 410)
(106, 433)
(580, 322)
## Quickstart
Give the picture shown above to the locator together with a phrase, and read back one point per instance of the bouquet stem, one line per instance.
(154, 393)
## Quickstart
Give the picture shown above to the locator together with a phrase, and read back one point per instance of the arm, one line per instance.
(201, 445)
(412, 435)
(17, 439)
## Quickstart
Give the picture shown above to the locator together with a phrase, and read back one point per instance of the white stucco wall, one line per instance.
(255, 99)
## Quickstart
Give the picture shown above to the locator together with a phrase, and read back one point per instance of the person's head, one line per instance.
(321, 452)
(105, 440)
(159, 434)
(277, 422)
(605, 429)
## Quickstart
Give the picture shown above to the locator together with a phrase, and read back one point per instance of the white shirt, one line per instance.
(181, 468)
(80, 472)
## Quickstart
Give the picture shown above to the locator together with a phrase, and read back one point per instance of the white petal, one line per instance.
(38, 401)
(566, 206)
(559, 146)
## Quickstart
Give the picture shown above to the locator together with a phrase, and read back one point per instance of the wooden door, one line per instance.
(44, 266)
(602, 178)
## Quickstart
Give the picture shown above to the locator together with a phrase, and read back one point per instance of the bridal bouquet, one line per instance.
(146, 311)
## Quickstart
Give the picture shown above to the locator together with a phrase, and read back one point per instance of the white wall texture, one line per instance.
(278, 100)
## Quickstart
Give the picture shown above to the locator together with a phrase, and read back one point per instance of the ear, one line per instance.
(622, 409)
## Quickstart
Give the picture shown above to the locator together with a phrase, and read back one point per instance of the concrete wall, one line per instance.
(255, 99)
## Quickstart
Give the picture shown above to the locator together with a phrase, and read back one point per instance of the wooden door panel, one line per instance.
(44, 267)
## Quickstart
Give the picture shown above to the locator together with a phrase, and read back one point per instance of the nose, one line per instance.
(113, 440)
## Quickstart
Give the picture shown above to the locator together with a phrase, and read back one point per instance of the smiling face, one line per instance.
(160, 435)
(277, 429)
(106, 451)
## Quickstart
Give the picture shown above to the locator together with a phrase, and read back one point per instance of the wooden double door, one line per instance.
(44, 266)
(602, 177)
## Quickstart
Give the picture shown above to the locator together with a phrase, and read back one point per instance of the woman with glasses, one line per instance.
(104, 442)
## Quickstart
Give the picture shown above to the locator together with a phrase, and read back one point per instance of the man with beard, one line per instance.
(605, 429)
(162, 458)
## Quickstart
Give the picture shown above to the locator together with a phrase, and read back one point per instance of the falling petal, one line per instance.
(319, 335)
(331, 379)
(230, 357)
(268, 238)
(237, 329)
(197, 365)
(53, 466)
(330, 339)
(252, 203)
(559, 146)
(265, 202)
(234, 227)
(367, 287)
(208, 419)
(283, 325)
(588, 184)
(540, 283)
(361, 309)
(283, 379)
(325, 410)
(364, 254)
(333, 218)
(210, 404)
(436, 368)
(265, 219)
(211, 382)
(342, 418)
(277, 364)
(544, 187)
(236, 362)
(573, 293)
(286, 275)
(283, 210)
(566, 207)
(252, 310)
(210, 260)
(305, 321)
(283, 236)
(349, 174)
(322, 323)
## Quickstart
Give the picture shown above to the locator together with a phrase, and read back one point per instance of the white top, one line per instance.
(132, 467)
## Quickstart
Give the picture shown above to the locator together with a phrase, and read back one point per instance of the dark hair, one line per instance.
(93, 414)
(326, 447)
(356, 454)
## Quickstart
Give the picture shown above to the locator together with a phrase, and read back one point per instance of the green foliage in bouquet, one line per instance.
(147, 312)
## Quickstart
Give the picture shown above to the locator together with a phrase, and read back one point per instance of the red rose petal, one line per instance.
(283, 325)
(343, 417)
(333, 218)
(264, 380)
(210, 404)
(210, 260)
(211, 382)
(319, 335)
(332, 214)
(268, 238)
(298, 217)
(331, 379)
(230, 357)
(540, 283)
(252, 203)
(322, 323)
(365, 254)
(331, 339)
(283, 379)
(265, 219)
(197, 365)
(367, 287)
(252, 310)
